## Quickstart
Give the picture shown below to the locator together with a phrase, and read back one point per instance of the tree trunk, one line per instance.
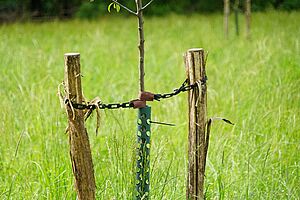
(226, 16)
(139, 5)
(248, 18)
(36, 8)
(236, 17)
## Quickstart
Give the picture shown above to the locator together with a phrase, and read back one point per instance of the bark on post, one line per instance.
(226, 16)
(248, 18)
(80, 151)
(195, 68)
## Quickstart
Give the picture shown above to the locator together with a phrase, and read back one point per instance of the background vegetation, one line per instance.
(253, 83)
(43, 9)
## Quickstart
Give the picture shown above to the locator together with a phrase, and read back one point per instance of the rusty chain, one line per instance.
(131, 104)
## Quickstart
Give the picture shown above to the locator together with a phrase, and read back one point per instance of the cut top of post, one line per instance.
(195, 50)
(72, 54)
(72, 77)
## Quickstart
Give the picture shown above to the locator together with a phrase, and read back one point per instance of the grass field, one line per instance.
(255, 84)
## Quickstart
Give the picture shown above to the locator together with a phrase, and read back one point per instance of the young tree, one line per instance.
(144, 113)
(226, 16)
(139, 14)
(248, 17)
(236, 16)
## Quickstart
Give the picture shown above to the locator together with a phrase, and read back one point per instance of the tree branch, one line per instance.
(145, 6)
(121, 5)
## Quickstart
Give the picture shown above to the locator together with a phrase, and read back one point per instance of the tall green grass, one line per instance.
(255, 83)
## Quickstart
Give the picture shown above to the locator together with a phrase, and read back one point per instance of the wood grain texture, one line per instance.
(195, 68)
(80, 152)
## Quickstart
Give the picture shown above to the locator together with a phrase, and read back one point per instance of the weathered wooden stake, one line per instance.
(80, 151)
(195, 68)
(248, 18)
(226, 16)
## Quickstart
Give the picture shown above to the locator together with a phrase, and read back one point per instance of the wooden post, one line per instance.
(80, 151)
(248, 18)
(226, 16)
(195, 68)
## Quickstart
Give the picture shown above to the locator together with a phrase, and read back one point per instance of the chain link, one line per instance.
(116, 105)
(103, 106)
(183, 88)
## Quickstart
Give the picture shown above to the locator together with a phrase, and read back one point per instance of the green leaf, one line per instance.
(118, 8)
(115, 6)
(108, 8)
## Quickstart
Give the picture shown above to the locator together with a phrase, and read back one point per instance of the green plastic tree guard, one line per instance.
(143, 153)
